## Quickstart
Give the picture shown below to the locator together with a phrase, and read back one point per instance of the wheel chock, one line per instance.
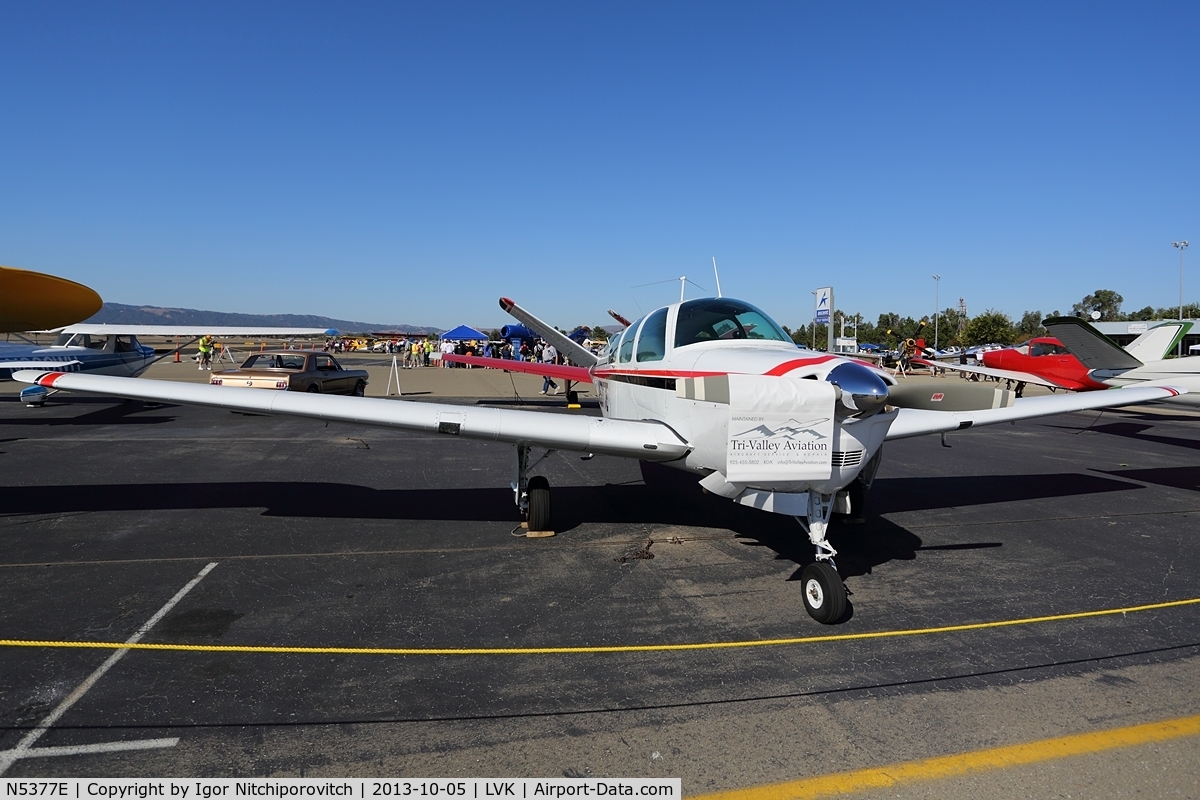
(540, 534)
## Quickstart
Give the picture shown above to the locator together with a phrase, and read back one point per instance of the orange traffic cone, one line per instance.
(176, 356)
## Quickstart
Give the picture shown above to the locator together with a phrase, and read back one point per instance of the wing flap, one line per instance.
(917, 422)
(648, 440)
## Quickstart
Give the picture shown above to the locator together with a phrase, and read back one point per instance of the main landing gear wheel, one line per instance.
(539, 504)
(824, 593)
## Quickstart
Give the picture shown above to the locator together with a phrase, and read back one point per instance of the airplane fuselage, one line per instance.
(123, 356)
(1046, 358)
(681, 373)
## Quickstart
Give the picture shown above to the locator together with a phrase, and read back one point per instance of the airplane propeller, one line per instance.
(863, 393)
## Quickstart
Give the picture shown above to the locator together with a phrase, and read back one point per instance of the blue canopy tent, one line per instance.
(464, 333)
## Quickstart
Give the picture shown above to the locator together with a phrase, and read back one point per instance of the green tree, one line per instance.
(1031, 325)
(990, 326)
(1106, 301)
(598, 334)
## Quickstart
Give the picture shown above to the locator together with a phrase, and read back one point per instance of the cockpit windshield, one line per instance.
(714, 319)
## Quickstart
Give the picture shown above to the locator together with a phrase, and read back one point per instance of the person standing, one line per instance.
(549, 356)
(205, 345)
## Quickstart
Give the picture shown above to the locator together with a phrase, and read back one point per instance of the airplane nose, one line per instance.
(863, 392)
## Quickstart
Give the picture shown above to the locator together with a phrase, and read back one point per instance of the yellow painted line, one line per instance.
(625, 648)
(942, 767)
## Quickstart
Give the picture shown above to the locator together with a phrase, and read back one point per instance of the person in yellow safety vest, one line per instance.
(205, 345)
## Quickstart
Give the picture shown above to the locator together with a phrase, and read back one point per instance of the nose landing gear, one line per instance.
(824, 592)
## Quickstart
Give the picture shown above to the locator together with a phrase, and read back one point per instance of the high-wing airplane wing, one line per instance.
(564, 371)
(194, 330)
(916, 422)
(39, 364)
(650, 441)
(992, 372)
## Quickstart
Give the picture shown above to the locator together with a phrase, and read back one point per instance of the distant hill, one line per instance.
(153, 315)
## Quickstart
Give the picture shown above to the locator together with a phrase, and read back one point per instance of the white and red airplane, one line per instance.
(710, 386)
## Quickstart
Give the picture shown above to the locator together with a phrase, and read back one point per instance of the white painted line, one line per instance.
(9, 757)
(103, 747)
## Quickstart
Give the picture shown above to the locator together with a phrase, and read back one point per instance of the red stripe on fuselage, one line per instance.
(797, 363)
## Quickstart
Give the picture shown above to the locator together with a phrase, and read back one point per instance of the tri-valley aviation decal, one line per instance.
(781, 431)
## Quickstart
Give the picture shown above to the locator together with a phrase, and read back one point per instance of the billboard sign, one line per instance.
(824, 299)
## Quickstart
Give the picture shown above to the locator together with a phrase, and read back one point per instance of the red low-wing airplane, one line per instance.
(713, 387)
(1046, 361)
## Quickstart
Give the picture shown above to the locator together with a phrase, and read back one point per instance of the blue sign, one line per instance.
(824, 299)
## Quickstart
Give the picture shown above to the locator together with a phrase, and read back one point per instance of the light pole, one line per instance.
(937, 285)
(1182, 245)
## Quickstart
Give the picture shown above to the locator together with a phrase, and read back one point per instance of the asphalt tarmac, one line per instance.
(368, 539)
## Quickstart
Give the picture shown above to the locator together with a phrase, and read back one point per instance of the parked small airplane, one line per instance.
(1111, 365)
(1047, 361)
(711, 386)
(115, 349)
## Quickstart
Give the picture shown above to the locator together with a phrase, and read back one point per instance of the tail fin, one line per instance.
(1158, 342)
(1089, 345)
(577, 353)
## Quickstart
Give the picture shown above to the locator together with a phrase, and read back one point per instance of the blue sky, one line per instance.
(411, 162)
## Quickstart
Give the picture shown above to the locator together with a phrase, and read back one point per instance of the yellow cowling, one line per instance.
(34, 301)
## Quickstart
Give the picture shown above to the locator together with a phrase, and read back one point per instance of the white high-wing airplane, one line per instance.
(711, 386)
(115, 349)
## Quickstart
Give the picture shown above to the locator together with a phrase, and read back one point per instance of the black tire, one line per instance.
(360, 389)
(539, 504)
(313, 389)
(824, 593)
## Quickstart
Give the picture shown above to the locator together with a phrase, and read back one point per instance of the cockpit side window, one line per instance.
(716, 319)
(652, 340)
(625, 350)
(125, 344)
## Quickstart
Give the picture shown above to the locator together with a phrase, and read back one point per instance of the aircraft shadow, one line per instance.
(1137, 431)
(1175, 477)
(111, 413)
(666, 497)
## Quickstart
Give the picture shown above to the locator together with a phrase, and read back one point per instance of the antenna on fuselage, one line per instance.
(717, 276)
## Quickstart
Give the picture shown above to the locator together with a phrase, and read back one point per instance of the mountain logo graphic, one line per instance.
(792, 430)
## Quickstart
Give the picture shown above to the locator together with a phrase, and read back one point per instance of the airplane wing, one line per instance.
(1090, 346)
(33, 364)
(992, 372)
(566, 372)
(915, 422)
(194, 330)
(577, 353)
(647, 440)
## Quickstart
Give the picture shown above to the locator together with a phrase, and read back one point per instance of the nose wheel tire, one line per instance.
(539, 504)
(824, 593)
